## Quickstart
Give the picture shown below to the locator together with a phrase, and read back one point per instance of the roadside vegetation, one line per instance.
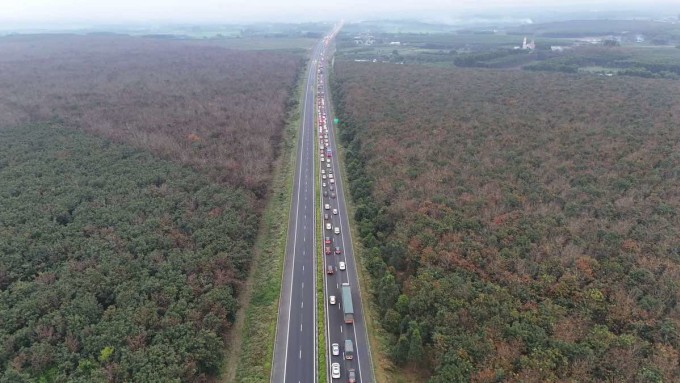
(116, 266)
(90, 221)
(518, 226)
(218, 110)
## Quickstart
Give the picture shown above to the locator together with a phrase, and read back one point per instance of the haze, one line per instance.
(23, 12)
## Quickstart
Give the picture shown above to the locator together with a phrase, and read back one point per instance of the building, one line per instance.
(528, 46)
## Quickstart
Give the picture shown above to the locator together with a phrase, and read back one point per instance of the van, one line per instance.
(349, 349)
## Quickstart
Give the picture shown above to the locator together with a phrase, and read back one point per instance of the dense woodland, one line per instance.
(115, 266)
(519, 227)
(217, 109)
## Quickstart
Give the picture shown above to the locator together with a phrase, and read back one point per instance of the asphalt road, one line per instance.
(336, 329)
(295, 348)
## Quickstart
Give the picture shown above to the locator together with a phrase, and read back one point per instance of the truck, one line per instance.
(349, 349)
(347, 306)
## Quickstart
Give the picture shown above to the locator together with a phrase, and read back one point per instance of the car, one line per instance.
(323, 176)
(337, 249)
(327, 207)
(337, 229)
(332, 181)
(323, 159)
(335, 347)
(326, 216)
(335, 370)
(331, 187)
(330, 270)
(332, 194)
(328, 226)
(323, 184)
(335, 211)
(330, 175)
(351, 376)
(323, 171)
(341, 266)
(325, 193)
(327, 241)
(328, 250)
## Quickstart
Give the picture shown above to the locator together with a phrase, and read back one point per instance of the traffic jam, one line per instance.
(341, 350)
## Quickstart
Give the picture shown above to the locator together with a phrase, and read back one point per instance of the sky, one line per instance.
(230, 11)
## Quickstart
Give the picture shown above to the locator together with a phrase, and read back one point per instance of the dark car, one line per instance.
(332, 194)
(328, 250)
(330, 270)
(326, 216)
(337, 249)
(351, 376)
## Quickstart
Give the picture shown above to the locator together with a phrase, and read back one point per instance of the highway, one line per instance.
(337, 331)
(295, 348)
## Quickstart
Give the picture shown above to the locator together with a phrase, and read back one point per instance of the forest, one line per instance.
(116, 266)
(212, 108)
(134, 172)
(517, 226)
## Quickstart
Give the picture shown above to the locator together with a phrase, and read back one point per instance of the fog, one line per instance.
(55, 12)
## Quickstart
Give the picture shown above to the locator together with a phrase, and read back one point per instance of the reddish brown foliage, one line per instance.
(558, 196)
(217, 109)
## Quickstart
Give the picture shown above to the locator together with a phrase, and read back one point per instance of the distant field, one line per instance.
(266, 43)
(651, 30)
(520, 227)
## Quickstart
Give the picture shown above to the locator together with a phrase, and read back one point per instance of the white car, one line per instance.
(327, 207)
(323, 159)
(335, 370)
(331, 300)
(337, 230)
(336, 349)
(341, 265)
(323, 184)
(328, 164)
(328, 226)
(323, 176)
(323, 171)
(330, 175)
(335, 211)
(332, 180)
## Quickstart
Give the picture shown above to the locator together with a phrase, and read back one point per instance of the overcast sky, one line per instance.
(54, 11)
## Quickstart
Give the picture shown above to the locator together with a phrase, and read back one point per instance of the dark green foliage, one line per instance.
(114, 266)
(521, 227)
